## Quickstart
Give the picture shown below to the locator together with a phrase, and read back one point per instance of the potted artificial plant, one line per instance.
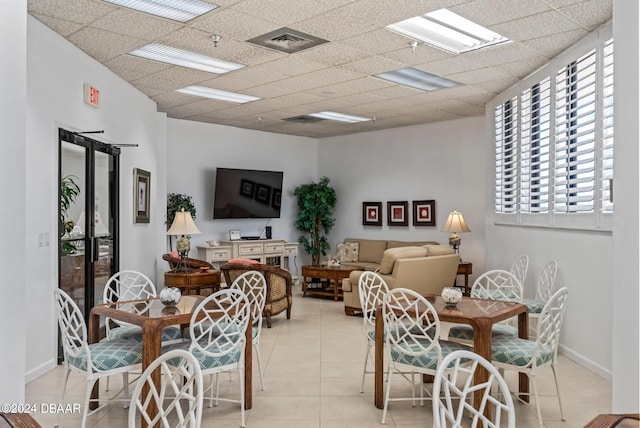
(69, 191)
(316, 202)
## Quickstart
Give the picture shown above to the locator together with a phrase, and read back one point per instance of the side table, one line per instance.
(466, 269)
(193, 280)
(332, 274)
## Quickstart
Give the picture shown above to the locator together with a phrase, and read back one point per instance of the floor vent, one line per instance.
(287, 40)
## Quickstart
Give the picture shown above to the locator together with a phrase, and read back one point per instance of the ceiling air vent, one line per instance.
(287, 40)
(303, 119)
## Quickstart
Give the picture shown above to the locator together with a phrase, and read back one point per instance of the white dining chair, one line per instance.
(177, 401)
(531, 356)
(372, 290)
(454, 389)
(519, 268)
(94, 361)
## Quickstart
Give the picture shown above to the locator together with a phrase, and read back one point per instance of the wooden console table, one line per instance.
(193, 280)
(333, 276)
(266, 251)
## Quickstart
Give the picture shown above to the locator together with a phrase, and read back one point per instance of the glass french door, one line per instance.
(88, 217)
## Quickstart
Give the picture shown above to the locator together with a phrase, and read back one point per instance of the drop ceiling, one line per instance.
(334, 76)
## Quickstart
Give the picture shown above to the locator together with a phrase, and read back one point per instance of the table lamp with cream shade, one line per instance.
(183, 225)
(455, 224)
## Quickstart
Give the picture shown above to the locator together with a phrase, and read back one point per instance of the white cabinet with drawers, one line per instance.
(271, 251)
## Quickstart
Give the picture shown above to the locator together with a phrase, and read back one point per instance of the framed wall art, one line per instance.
(246, 187)
(424, 213)
(372, 213)
(397, 213)
(263, 193)
(141, 195)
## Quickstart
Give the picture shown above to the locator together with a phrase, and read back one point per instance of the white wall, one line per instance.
(436, 161)
(56, 71)
(195, 150)
(13, 106)
(626, 285)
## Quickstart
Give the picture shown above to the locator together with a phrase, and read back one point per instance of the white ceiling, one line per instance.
(336, 76)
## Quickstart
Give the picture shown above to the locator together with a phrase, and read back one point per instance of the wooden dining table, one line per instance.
(152, 316)
(481, 314)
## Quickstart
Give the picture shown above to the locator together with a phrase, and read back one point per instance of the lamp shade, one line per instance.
(183, 224)
(455, 223)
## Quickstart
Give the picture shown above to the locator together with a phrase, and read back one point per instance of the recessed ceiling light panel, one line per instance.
(332, 115)
(177, 10)
(175, 56)
(449, 31)
(418, 79)
(217, 94)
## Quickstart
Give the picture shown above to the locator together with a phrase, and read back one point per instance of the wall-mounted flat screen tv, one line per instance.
(247, 193)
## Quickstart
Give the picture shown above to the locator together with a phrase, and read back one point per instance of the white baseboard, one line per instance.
(586, 363)
(38, 371)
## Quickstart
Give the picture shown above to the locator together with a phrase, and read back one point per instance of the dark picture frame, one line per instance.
(276, 198)
(424, 213)
(397, 213)
(141, 195)
(263, 194)
(247, 187)
(372, 213)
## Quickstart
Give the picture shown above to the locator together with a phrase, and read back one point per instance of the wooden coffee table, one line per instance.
(333, 276)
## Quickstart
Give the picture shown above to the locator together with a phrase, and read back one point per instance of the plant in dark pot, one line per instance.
(316, 202)
(176, 202)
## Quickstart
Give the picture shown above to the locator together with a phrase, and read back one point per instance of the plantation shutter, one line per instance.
(506, 120)
(607, 127)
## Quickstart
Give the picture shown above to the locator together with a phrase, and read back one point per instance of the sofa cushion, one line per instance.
(439, 250)
(370, 250)
(396, 244)
(392, 254)
(348, 252)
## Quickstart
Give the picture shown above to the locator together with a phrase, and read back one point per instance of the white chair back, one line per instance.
(497, 284)
(178, 399)
(127, 285)
(254, 285)
(453, 390)
(372, 289)
(520, 267)
(550, 322)
(72, 326)
(546, 281)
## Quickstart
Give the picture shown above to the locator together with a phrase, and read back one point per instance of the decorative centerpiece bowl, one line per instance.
(170, 296)
(451, 296)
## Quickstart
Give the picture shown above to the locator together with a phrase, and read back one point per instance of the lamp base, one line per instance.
(182, 265)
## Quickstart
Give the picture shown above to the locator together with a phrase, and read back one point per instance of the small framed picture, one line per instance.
(276, 198)
(246, 188)
(397, 213)
(263, 194)
(234, 234)
(141, 195)
(424, 213)
(372, 213)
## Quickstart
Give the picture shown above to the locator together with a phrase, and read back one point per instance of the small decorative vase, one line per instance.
(170, 296)
(451, 296)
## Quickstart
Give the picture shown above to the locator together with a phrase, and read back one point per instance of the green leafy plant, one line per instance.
(175, 203)
(316, 202)
(69, 191)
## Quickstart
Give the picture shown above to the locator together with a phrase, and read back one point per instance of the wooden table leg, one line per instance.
(378, 390)
(523, 378)
(94, 337)
(304, 286)
(482, 347)
(336, 284)
(151, 349)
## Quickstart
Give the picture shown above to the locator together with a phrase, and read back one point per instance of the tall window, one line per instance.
(554, 142)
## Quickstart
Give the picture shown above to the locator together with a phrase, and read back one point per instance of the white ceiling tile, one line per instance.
(282, 12)
(333, 54)
(590, 14)
(490, 12)
(79, 11)
(103, 45)
(61, 26)
(531, 27)
(232, 24)
(130, 23)
(373, 65)
(552, 45)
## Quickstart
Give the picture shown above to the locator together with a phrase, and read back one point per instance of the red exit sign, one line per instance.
(91, 95)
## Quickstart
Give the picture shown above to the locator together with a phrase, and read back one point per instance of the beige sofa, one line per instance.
(368, 253)
(425, 269)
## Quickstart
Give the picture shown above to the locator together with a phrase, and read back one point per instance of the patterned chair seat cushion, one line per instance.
(371, 334)
(496, 295)
(518, 352)
(533, 306)
(206, 361)
(428, 360)
(465, 332)
(134, 332)
(108, 355)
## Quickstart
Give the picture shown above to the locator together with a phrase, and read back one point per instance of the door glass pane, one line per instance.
(72, 230)
(102, 224)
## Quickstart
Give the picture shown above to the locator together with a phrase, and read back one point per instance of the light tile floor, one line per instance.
(313, 367)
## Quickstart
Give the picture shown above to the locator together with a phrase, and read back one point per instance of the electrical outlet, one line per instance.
(40, 239)
(46, 239)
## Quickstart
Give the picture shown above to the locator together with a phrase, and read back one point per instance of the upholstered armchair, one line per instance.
(279, 294)
(191, 263)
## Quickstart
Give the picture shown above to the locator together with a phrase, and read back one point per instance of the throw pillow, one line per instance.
(245, 261)
(348, 252)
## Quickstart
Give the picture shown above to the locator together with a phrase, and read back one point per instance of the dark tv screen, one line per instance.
(247, 193)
